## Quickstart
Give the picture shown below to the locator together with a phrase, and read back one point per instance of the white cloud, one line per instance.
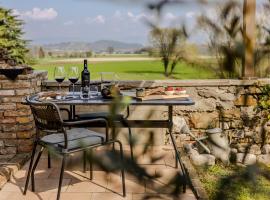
(190, 14)
(170, 17)
(99, 19)
(68, 23)
(136, 18)
(37, 14)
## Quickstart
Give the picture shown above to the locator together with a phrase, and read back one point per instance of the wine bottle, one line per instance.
(85, 75)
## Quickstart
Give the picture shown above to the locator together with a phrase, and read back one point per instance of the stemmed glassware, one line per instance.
(59, 75)
(73, 76)
(108, 78)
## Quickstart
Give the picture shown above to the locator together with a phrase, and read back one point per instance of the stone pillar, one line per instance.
(16, 121)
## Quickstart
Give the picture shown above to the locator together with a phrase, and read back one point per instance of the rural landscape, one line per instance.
(135, 100)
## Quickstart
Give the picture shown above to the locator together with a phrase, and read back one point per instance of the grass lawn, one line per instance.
(131, 70)
(235, 183)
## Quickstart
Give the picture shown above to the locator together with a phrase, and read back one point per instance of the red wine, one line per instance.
(85, 75)
(73, 80)
(60, 79)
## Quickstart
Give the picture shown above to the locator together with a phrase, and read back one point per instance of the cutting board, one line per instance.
(156, 97)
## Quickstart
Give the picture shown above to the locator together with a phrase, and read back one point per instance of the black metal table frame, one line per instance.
(142, 123)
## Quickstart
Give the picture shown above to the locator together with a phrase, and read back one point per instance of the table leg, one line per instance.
(177, 154)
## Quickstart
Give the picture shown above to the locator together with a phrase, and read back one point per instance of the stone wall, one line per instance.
(228, 104)
(16, 121)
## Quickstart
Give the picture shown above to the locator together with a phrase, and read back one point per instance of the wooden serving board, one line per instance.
(156, 97)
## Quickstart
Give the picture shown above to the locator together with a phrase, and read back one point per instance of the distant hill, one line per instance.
(98, 46)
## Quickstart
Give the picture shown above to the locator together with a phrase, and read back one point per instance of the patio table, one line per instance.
(142, 123)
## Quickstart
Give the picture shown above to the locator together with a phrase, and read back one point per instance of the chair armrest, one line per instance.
(89, 121)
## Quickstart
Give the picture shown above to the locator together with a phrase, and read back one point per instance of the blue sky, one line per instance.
(52, 21)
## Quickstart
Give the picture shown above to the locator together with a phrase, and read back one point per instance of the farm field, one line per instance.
(133, 69)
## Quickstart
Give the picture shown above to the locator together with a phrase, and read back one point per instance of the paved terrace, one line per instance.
(76, 184)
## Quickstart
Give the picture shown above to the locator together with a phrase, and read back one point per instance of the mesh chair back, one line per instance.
(47, 116)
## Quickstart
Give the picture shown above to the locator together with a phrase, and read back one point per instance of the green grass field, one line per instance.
(131, 70)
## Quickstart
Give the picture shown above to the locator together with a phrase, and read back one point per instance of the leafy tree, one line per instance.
(110, 50)
(12, 47)
(167, 43)
(89, 54)
(41, 53)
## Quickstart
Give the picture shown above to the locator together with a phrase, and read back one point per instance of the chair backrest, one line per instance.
(47, 116)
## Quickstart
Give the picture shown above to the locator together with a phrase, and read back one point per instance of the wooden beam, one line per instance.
(249, 27)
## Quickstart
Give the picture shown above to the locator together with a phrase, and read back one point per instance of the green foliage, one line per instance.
(12, 46)
(226, 38)
(236, 183)
(168, 44)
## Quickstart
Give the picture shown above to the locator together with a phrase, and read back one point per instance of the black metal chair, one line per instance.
(121, 118)
(64, 141)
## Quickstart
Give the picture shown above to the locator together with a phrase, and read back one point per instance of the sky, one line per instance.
(54, 21)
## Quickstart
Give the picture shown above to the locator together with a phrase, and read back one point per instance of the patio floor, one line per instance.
(76, 184)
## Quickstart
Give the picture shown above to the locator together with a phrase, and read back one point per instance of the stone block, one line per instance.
(266, 149)
(265, 159)
(202, 159)
(232, 113)
(14, 99)
(24, 120)
(25, 127)
(245, 100)
(7, 106)
(255, 149)
(203, 120)
(246, 159)
(17, 113)
(16, 84)
(9, 128)
(7, 92)
(22, 106)
(8, 135)
(8, 120)
(25, 148)
(25, 134)
(11, 143)
(23, 92)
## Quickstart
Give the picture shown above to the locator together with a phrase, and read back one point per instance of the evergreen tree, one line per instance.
(12, 47)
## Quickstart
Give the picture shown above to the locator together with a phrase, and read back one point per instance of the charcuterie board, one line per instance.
(156, 97)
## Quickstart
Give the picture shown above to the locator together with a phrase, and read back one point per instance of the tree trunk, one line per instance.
(166, 63)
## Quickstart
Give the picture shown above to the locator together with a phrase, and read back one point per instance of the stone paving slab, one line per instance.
(77, 186)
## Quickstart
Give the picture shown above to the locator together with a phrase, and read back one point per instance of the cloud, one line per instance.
(68, 23)
(99, 19)
(37, 14)
(170, 17)
(190, 14)
(136, 18)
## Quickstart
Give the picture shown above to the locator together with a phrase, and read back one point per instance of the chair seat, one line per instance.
(94, 115)
(77, 137)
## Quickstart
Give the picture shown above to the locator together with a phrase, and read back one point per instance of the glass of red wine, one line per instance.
(59, 75)
(73, 76)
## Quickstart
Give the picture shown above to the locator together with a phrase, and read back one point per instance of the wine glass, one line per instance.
(107, 78)
(73, 77)
(59, 75)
